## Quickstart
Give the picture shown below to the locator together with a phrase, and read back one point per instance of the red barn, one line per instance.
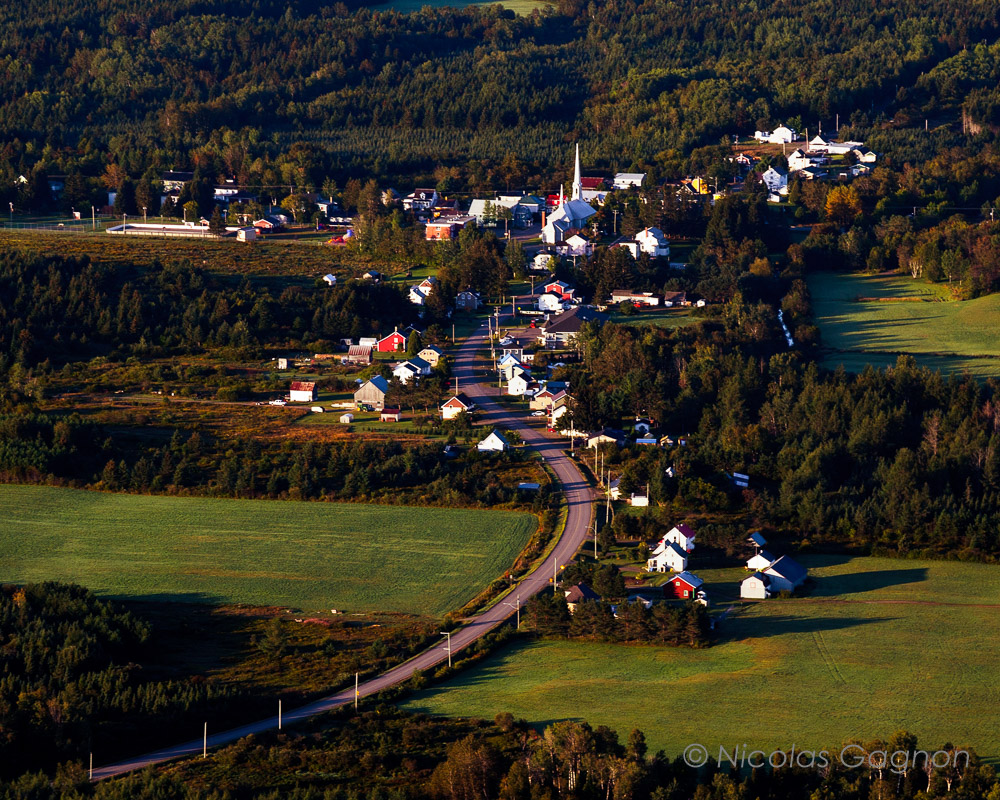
(684, 586)
(394, 341)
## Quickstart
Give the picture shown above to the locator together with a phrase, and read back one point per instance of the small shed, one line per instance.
(347, 418)
(390, 415)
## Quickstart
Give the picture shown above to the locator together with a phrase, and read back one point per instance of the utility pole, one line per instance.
(595, 538)
(555, 575)
(279, 715)
(91, 775)
(448, 634)
(356, 692)
(204, 742)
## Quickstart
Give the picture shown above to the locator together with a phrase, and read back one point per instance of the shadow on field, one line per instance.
(861, 582)
(195, 598)
(763, 626)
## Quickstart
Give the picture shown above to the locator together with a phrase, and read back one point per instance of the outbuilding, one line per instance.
(302, 392)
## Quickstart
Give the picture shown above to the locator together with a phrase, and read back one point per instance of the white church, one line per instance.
(572, 213)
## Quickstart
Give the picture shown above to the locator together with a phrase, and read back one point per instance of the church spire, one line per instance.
(577, 181)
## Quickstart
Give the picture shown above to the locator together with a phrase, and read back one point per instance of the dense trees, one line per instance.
(286, 100)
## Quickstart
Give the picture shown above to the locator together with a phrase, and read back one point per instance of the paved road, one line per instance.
(579, 500)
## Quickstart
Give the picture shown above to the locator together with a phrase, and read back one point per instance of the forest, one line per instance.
(307, 96)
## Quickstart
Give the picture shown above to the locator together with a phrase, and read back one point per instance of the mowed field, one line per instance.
(311, 556)
(904, 316)
(880, 645)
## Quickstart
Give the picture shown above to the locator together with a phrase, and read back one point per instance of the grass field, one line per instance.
(904, 316)
(880, 645)
(312, 556)
(663, 317)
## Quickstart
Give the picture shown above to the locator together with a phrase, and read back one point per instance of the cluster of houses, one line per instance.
(815, 162)
(771, 575)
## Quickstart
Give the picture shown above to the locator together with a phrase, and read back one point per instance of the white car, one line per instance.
(539, 413)
(278, 402)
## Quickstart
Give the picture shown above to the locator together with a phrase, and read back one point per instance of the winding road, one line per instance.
(579, 500)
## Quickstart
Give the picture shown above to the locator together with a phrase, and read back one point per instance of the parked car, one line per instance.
(278, 402)
(539, 413)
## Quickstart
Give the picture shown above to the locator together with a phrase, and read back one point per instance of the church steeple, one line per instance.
(577, 181)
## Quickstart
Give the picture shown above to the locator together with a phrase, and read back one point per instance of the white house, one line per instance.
(456, 405)
(866, 156)
(780, 135)
(417, 297)
(653, 242)
(625, 180)
(756, 587)
(520, 383)
(541, 261)
(798, 160)
(577, 245)
(667, 557)
(507, 365)
(420, 200)
(330, 279)
(550, 302)
(786, 574)
(302, 392)
(413, 368)
(775, 179)
(493, 443)
(682, 536)
(760, 561)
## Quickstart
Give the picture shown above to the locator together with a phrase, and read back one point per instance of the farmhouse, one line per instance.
(684, 586)
(394, 341)
(786, 575)
(756, 587)
(413, 368)
(559, 288)
(494, 443)
(432, 354)
(653, 242)
(682, 536)
(520, 384)
(466, 301)
(577, 245)
(606, 436)
(550, 302)
(372, 393)
(775, 179)
(420, 200)
(667, 557)
(760, 561)
(456, 405)
(563, 328)
(671, 299)
(541, 400)
(780, 135)
(579, 593)
(302, 392)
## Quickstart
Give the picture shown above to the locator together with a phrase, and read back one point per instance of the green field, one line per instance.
(663, 317)
(904, 316)
(312, 556)
(880, 645)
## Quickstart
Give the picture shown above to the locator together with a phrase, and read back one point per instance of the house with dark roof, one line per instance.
(563, 327)
(756, 587)
(455, 405)
(579, 593)
(786, 574)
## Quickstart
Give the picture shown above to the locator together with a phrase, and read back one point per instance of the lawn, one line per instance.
(879, 646)
(903, 315)
(663, 317)
(312, 556)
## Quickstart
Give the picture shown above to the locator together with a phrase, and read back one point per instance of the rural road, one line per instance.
(579, 503)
